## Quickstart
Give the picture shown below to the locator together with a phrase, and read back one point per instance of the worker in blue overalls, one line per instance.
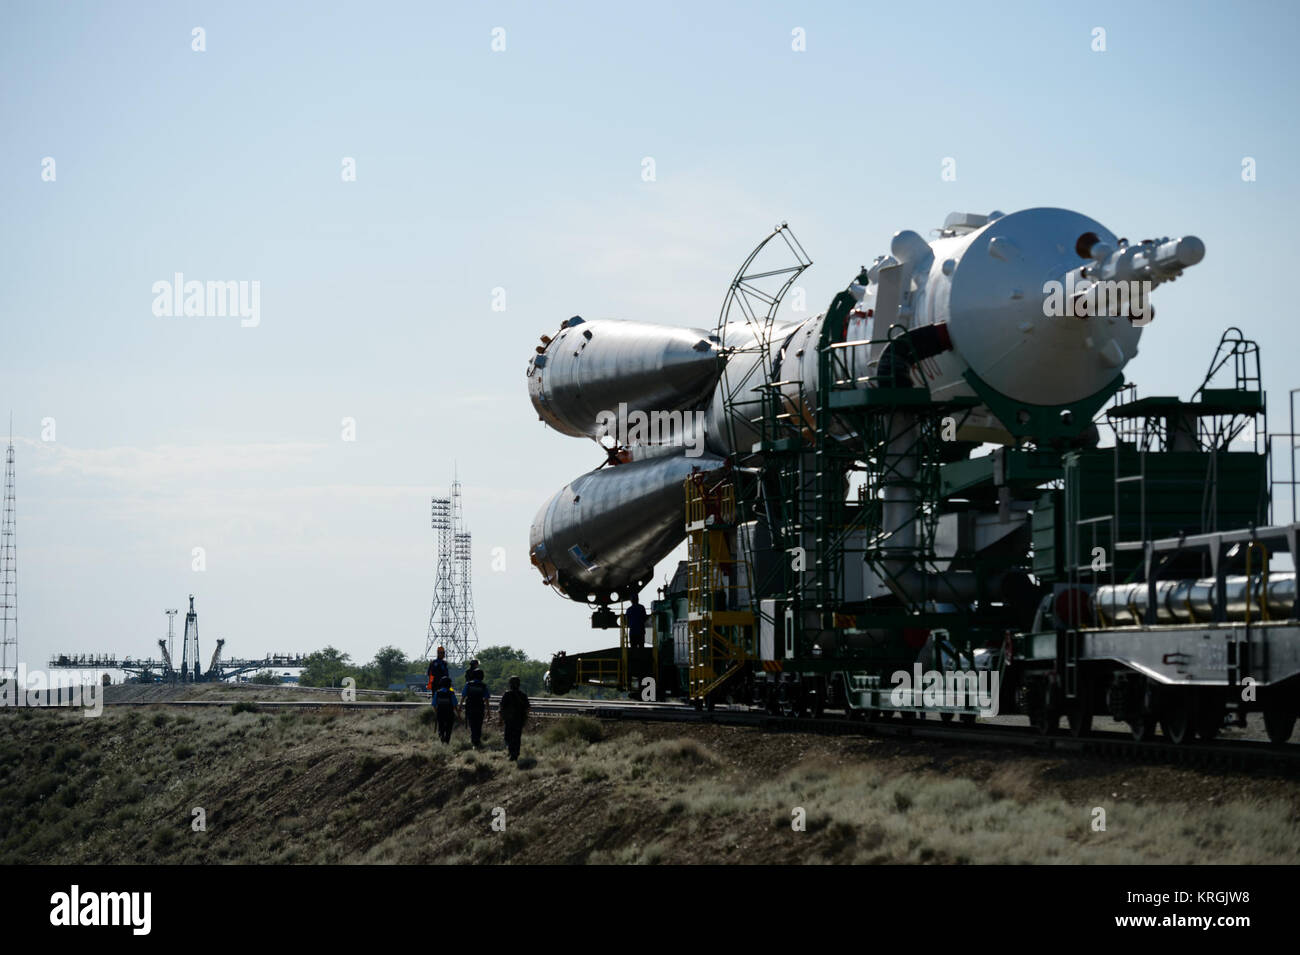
(437, 670)
(475, 698)
(444, 706)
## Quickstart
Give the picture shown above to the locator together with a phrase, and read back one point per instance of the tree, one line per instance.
(501, 663)
(265, 677)
(390, 664)
(501, 653)
(326, 668)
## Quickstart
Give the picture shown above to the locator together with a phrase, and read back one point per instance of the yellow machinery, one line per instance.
(721, 638)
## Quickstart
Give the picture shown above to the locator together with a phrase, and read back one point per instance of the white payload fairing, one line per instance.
(1034, 314)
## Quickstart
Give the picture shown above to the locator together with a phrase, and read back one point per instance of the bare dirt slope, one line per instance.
(358, 786)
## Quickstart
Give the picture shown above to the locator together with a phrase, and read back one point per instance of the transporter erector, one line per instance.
(944, 474)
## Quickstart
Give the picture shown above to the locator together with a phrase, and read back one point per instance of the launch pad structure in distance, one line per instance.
(190, 671)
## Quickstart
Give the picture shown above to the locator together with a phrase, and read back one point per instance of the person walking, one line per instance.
(437, 670)
(514, 710)
(444, 706)
(475, 698)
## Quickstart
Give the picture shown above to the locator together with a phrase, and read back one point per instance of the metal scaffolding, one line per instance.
(9, 572)
(451, 618)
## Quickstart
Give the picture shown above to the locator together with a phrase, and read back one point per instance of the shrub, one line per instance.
(244, 706)
(684, 751)
(575, 727)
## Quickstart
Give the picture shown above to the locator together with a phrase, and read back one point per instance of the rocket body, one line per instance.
(1043, 307)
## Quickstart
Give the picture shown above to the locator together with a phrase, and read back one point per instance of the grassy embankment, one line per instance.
(350, 786)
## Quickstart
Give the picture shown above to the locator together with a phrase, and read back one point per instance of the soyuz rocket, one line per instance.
(1040, 309)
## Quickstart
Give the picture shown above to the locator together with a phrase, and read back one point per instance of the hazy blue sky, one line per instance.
(521, 169)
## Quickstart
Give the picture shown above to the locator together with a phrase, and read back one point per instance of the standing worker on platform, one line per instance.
(514, 710)
(475, 698)
(444, 706)
(635, 616)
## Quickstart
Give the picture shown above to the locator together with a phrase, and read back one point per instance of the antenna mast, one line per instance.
(9, 570)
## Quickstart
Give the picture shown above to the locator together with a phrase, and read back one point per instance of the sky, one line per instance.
(140, 437)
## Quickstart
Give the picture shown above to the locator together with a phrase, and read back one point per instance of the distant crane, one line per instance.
(169, 651)
(190, 652)
(214, 668)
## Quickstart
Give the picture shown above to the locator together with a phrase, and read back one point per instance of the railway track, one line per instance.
(1243, 755)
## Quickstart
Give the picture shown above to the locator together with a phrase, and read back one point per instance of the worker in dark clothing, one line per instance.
(444, 706)
(514, 710)
(475, 698)
(635, 616)
(437, 670)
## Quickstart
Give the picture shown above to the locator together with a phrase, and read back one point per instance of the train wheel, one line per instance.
(1142, 728)
(968, 719)
(946, 717)
(1279, 723)
(1078, 714)
(1045, 721)
(1043, 706)
(1176, 719)
(1208, 718)
(1079, 718)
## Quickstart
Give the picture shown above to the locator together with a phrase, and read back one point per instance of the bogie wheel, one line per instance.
(710, 702)
(1279, 723)
(1142, 728)
(1207, 720)
(1079, 717)
(1044, 707)
(698, 704)
(1045, 721)
(968, 719)
(946, 717)
(1176, 719)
